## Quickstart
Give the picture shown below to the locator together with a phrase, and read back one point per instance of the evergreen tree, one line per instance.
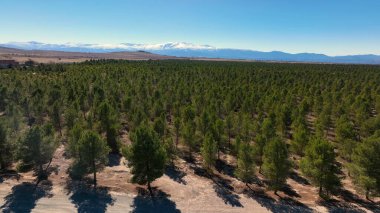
(36, 149)
(108, 124)
(5, 149)
(229, 127)
(320, 166)
(276, 165)
(217, 132)
(56, 117)
(93, 152)
(146, 157)
(365, 166)
(300, 141)
(177, 125)
(245, 170)
(208, 151)
(188, 137)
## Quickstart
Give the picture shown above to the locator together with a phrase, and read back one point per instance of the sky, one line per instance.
(333, 27)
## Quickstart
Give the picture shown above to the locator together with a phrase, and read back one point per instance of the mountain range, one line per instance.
(182, 49)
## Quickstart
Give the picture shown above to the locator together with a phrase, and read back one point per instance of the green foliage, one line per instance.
(208, 151)
(5, 149)
(146, 156)
(36, 149)
(320, 166)
(108, 124)
(276, 165)
(245, 170)
(56, 116)
(170, 149)
(300, 141)
(365, 167)
(188, 133)
(236, 102)
(93, 152)
(160, 127)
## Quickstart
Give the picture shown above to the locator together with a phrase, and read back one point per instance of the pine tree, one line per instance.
(93, 152)
(229, 127)
(108, 124)
(5, 149)
(177, 125)
(320, 166)
(217, 132)
(276, 164)
(36, 149)
(245, 170)
(188, 136)
(208, 151)
(56, 117)
(146, 157)
(300, 141)
(365, 166)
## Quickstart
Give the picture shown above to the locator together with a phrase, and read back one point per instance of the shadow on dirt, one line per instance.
(114, 159)
(284, 205)
(225, 168)
(9, 174)
(336, 206)
(144, 203)
(87, 199)
(289, 191)
(24, 196)
(296, 177)
(225, 191)
(222, 186)
(175, 174)
(347, 205)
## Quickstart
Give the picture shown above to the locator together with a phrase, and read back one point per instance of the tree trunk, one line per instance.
(94, 168)
(367, 194)
(229, 140)
(150, 189)
(176, 141)
(60, 129)
(320, 189)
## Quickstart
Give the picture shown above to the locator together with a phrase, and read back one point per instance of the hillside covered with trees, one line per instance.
(320, 121)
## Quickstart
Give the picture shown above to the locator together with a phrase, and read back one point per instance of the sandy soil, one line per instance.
(185, 188)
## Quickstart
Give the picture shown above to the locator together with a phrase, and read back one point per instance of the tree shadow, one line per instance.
(9, 174)
(349, 197)
(225, 168)
(114, 159)
(144, 203)
(175, 174)
(201, 172)
(87, 199)
(24, 196)
(284, 205)
(225, 191)
(289, 191)
(335, 206)
(296, 177)
(222, 186)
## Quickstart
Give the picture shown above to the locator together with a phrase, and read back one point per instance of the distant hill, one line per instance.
(55, 56)
(181, 49)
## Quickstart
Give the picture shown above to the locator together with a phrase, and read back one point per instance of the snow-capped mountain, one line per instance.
(183, 49)
(33, 45)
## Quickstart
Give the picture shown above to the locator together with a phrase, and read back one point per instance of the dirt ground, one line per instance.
(185, 187)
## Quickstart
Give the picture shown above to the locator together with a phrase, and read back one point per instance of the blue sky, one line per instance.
(333, 27)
